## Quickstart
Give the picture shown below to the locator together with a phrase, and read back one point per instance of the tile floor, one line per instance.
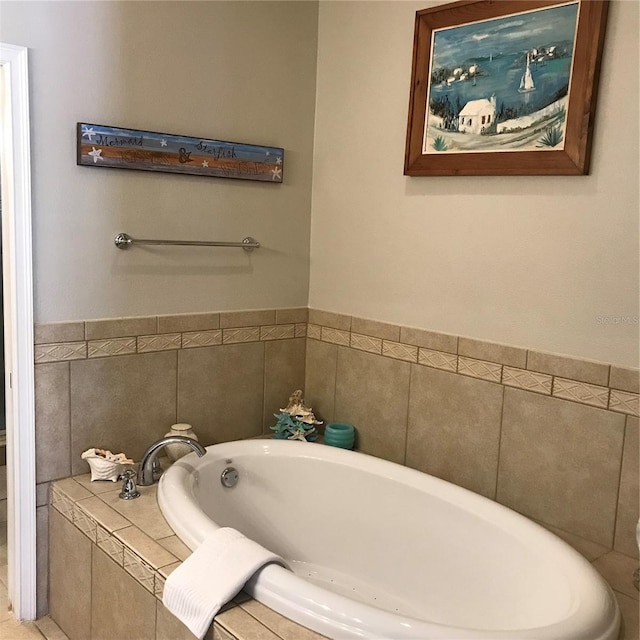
(615, 567)
(44, 628)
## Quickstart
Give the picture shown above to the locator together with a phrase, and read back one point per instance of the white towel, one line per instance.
(211, 576)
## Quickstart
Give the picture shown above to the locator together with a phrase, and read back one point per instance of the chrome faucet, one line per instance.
(146, 472)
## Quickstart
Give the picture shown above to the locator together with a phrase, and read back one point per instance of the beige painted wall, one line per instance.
(537, 262)
(240, 71)
(546, 263)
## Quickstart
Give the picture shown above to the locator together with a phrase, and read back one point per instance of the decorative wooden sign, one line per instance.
(104, 146)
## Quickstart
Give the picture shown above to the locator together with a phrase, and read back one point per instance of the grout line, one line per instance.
(69, 421)
(177, 383)
(93, 548)
(263, 424)
(495, 497)
(406, 431)
(262, 623)
(617, 504)
(335, 385)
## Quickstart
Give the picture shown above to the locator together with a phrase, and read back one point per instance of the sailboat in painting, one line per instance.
(526, 82)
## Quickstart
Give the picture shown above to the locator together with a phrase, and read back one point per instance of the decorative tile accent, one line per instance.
(314, 331)
(140, 570)
(202, 339)
(110, 545)
(366, 343)
(277, 332)
(146, 548)
(582, 381)
(624, 402)
(60, 351)
(113, 347)
(243, 334)
(581, 392)
(161, 578)
(438, 360)
(399, 351)
(335, 336)
(529, 380)
(61, 503)
(164, 342)
(158, 588)
(479, 369)
(85, 523)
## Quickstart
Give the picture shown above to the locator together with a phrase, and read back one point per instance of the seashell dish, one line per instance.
(106, 465)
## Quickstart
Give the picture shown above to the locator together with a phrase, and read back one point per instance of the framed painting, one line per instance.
(115, 147)
(504, 87)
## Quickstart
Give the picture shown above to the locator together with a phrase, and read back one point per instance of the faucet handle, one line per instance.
(129, 489)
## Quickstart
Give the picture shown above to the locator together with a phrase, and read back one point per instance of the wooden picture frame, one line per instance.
(467, 113)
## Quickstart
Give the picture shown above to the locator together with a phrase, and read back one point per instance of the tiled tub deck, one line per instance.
(109, 559)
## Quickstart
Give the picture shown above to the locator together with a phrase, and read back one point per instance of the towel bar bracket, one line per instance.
(124, 241)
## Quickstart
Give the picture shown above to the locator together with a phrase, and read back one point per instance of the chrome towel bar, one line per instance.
(124, 241)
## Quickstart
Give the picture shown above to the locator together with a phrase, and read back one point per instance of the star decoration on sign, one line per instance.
(279, 160)
(88, 131)
(96, 154)
(277, 173)
(163, 143)
(205, 163)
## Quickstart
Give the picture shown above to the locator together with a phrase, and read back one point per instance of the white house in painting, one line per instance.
(477, 115)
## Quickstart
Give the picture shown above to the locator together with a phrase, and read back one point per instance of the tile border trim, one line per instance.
(65, 498)
(338, 329)
(499, 372)
(125, 557)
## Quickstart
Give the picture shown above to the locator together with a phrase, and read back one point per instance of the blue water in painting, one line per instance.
(501, 78)
(499, 49)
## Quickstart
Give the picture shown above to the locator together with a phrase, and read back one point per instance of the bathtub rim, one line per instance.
(273, 584)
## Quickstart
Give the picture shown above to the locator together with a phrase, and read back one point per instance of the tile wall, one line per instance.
(553, 437)
(120, 384)
(109, 562)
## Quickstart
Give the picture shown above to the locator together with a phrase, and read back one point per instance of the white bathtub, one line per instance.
(378, 550)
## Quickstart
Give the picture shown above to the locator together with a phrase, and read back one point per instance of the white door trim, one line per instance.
(18, 323)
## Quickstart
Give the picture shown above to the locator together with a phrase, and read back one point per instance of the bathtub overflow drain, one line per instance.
(229, 477)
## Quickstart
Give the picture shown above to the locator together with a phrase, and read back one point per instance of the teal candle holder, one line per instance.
(340, 434)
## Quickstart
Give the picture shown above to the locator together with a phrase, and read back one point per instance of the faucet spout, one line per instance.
(145, 473)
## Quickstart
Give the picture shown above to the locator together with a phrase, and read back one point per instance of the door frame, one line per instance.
(18, 327)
